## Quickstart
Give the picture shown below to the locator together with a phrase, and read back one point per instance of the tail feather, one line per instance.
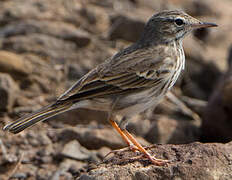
(40, 115)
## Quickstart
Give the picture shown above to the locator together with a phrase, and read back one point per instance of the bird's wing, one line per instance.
(126, 73)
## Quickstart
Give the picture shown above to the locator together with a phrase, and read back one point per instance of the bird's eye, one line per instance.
(179, 22)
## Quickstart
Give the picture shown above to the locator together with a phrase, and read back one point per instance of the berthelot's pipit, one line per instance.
(131, 81)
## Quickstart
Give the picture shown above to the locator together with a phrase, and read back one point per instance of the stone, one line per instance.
(200, 8)
(158, 4)
(72, 166)
(196, 67)
(38, 139)
(62, 30)
(103, 151)
(74, 150)
(14, 64)
(126, 28)
(43, 174)
(216, 125)
(139, 125)
(92, 138)
(44, 154)
(98, 20)
(83, 117)
(8, 92)
(190, 161)
(19, 176)
(61, 175)
(40, 10)
(172, 130)
(46, 78)
(42, 45)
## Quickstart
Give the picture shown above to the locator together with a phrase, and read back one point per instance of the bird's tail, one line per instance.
(40, 115)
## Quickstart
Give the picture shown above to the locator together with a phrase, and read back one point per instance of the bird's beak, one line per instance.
(203, 25)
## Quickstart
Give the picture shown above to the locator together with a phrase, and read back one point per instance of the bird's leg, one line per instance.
(114, 124)
(132, 142)
(125, 138)
(159, 162)
(122, 127)
(132, 147)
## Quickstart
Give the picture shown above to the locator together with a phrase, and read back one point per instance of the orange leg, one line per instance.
(125, 138)
(135, 145)
(159, 162)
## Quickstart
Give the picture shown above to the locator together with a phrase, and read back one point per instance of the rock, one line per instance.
(74, 12)
(158, 4)
(92, 138)
(61, 175)
(103, 151)
(44, 155)
(75, 72)
(19, 176)
(26, 171)
(8, 159)
(173, 130)
(126, 28)
(41, 45)
(217, 119)
(14, 64)
(96, 138)
(46, 78)
(8, 92)
(43, 174)
(68, 169)
(74, 150)
(72, 166)
(202, 34)
(38, 139)
(196, 67)
(98, 20)
(40, 10)
(83, 117)
(190, 161)
(196, 87)
(139, 126)
(200, 8)
(65, 31)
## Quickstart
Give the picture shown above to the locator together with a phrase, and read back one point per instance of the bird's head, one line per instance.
(171, 25)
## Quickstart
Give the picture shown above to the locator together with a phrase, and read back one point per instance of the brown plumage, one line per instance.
(131, 81)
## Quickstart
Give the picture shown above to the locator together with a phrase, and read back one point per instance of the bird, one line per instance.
(131, 81)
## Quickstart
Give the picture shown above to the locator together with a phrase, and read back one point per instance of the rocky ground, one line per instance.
(45, 46)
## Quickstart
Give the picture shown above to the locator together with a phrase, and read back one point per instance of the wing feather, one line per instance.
(121, 74)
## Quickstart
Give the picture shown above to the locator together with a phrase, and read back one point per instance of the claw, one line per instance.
(160, 162)
(155, 161)
(119, 151)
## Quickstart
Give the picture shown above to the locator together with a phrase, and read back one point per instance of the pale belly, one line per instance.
(138, 102)
(124, 105)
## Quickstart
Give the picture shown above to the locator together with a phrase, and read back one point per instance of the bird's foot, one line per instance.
(152, 159)
(158, 162)
(131, 147)
(140, 156)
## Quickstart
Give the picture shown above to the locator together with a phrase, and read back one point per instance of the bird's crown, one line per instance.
(167, 26)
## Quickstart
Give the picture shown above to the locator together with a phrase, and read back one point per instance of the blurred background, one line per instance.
(47, 45)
